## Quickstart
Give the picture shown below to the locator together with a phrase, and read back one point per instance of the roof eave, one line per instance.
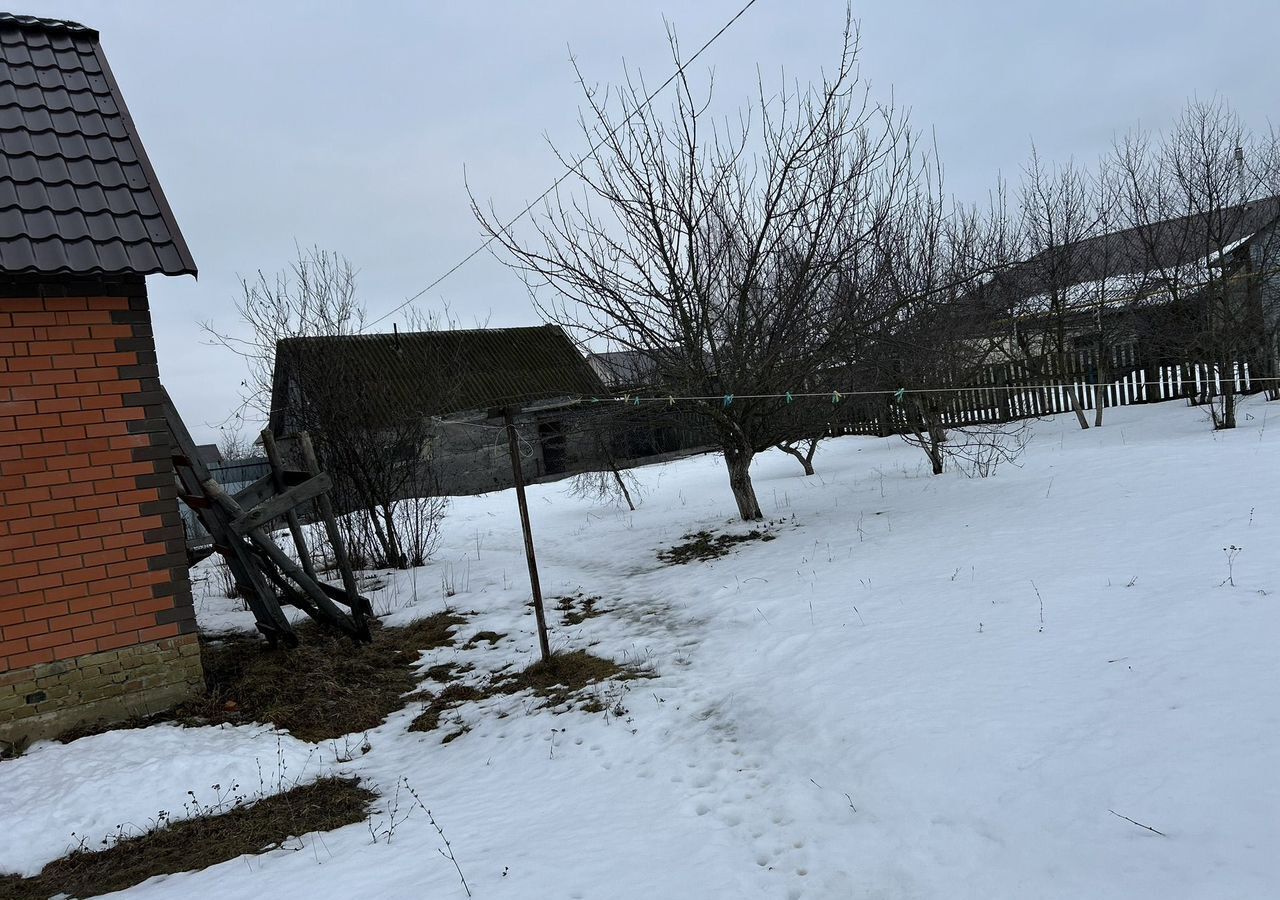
(188, 263)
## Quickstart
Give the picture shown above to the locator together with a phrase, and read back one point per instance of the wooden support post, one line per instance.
(354, 625)
(335, 536)
(518, 474)
(190, 473)
(295, 527)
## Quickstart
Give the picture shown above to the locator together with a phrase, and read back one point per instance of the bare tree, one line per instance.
(717, 250)
(608, 483)
(803, 449)
(930, 340)
(1058, 293)
(377, 454)
(233, 445)
(1200, 204)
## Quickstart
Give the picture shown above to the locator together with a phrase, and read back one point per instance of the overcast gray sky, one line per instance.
(348, 125)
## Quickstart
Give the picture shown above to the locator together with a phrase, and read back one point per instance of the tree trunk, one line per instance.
(395, 556)
(1100, 391)
(937, 436)
(379, 535)
(622, 484)
(1229, 400)
(739, 465)
(932, 445)
(1077, 408)
(806, 459)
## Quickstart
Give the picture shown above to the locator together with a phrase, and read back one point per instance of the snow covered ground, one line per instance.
(922, 688)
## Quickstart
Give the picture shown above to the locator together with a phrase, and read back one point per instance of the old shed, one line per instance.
(431, 393)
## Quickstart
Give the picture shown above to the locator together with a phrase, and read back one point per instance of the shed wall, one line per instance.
(92, 559)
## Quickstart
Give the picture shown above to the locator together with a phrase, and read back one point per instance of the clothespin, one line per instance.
(637, 401)
(789, 397)
(671, 401)
(728, 400)
(899, 394)
(835, 397)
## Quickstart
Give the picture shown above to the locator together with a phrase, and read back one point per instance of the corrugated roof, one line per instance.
(433, 373)
(77, 193)
(1160, 246)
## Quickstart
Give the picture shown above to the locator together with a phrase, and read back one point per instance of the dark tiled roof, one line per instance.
(77, 193)
(1133, 251)
(432, 373)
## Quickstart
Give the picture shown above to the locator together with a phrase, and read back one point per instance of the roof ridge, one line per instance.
(36, 23)
(372, 335)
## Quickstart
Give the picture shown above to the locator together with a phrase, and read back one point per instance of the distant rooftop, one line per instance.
(432, 373)
(77, 193)
(1189, 241)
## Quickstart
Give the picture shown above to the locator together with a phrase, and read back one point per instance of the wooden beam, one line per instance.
(254, 493)
(190, 474)
(290, 516)
(360, 607)
(277, 506)
(263, 542)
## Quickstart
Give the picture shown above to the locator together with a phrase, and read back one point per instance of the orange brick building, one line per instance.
(96, 618)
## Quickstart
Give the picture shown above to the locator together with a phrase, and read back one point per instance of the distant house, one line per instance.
(447, 388)
(625, 370)
(646, 433)
(209, 454)
(96, 617)
(1159, 293)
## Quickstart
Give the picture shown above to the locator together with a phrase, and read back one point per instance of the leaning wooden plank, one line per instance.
(291, 516)
(254, 493)
(190, 471)
(358, 629)
(277, 506)
(292, 595)
(312, 465)
(337, 593)
(260, 539)
(261, 599)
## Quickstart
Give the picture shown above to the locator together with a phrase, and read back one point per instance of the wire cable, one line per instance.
(572, 169)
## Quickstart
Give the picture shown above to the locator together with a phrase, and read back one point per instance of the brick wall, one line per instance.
(92, 556)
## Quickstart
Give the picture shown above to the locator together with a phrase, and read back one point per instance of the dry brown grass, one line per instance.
(560, 682)
(558, 679)
(194, 844)
(576, 608)
(324, 688)
(703, 546)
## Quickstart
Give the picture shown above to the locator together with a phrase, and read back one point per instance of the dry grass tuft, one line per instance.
(703, 546)
(323, 688)
(559, 682)
(576, 609)
(194, 844)
(564, 675)
(437, 704)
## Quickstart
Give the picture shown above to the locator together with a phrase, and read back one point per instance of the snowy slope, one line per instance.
(922, 688)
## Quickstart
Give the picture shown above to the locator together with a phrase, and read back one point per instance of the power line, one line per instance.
(572, 169)
(1174, 387)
